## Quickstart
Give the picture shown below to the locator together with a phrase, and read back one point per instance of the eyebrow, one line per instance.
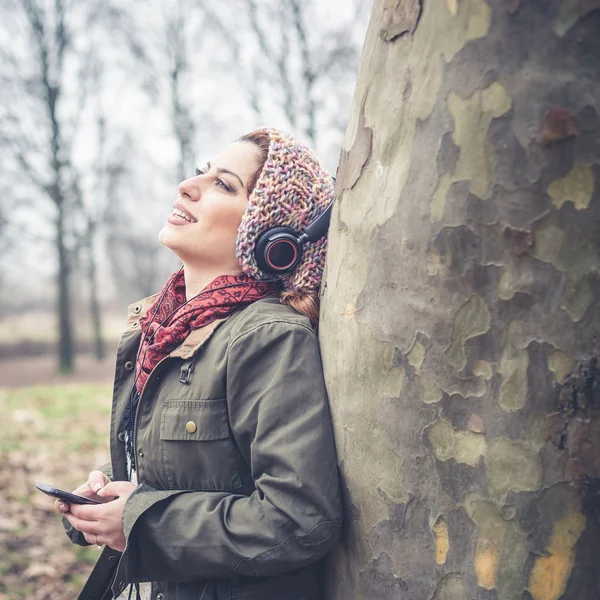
(219, 170)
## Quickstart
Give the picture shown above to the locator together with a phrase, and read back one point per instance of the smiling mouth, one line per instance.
(182, 215)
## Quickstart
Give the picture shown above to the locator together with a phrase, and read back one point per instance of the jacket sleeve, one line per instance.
(74, 535)
(280, 419)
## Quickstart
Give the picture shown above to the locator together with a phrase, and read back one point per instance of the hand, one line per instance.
(96, 480)
(103, 523)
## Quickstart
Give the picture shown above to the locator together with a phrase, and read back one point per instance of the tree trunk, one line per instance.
(65, 330)
(461, 305)
(96, 313)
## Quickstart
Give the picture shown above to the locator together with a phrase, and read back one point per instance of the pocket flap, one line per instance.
(194, 420)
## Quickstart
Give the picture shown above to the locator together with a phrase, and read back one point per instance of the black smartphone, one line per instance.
(66, 496)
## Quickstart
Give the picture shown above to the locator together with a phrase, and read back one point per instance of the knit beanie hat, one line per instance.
(292, 190)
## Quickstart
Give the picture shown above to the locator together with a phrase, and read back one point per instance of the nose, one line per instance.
(190, 189)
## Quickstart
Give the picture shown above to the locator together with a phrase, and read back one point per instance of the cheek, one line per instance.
(225, 218)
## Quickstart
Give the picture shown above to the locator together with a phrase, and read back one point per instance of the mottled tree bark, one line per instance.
(461, 307)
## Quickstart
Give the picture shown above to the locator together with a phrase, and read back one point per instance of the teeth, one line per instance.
(177, 212)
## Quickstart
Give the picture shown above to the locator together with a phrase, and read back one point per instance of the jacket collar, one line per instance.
(194, 341)
(137, 310)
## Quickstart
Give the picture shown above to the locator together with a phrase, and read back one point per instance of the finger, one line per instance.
(61, 506)
(83, 490)
(86, 512)
(93, 539)
(97, 480)
(91, 527)
(116, 488)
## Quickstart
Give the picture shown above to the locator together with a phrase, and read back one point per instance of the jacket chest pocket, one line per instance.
(196, 448)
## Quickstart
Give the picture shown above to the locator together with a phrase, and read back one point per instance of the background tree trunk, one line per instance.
(461, 303)
(95, 310)
(65, 325)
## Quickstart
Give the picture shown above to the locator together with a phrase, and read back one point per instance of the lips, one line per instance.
(180, 211)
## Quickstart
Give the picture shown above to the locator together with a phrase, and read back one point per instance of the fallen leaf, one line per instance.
(7, 524)
(35, 570)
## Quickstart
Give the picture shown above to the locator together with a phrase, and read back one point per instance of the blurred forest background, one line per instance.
(105, 105)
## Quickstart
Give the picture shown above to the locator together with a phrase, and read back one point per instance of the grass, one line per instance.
(54, 435)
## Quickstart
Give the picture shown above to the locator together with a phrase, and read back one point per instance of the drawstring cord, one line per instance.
(137, 590)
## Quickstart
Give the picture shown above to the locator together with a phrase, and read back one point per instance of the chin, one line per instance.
(167, 237)
(161, 235)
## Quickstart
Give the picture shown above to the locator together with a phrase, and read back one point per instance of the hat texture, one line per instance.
(293, 189)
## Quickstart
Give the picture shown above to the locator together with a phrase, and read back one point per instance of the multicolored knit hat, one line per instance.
(292, 190)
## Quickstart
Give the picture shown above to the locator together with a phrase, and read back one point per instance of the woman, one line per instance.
(223, 481)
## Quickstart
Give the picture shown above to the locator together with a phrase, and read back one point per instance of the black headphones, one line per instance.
(278, 250)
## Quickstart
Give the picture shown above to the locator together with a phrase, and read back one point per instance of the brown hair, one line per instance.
(261, 140)
(307, 302)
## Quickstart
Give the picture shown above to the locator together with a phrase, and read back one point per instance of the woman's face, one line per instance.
(202, 229)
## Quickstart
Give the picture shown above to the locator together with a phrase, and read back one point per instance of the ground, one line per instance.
(41, 370)
(53, 430)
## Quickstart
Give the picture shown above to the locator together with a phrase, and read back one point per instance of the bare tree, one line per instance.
(174, 42)
(96, 198)
(40, 118)
(176, 28)
(49, 40)
(5, 234)
(307, 65)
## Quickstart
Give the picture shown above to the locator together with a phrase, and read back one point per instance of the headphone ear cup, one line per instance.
(278, 250)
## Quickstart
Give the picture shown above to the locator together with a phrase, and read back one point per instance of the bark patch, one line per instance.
(450, 587)
(442, 541)
(512, 466)
(378, 581)
(399, 17)
(577, 186)
(352, 161)
(558, 125)
(550, 573)
(570, 11)
(472, 319)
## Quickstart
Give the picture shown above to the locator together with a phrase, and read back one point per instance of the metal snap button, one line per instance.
(141, 454)
(121, 436)
(190, 427)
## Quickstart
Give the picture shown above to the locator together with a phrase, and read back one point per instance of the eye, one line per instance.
(220, 182)
(224, 185)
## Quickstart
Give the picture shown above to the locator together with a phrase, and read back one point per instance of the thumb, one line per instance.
(115, 489)
(97, 480)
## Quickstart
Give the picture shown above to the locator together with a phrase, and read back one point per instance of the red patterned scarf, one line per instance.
(170, 319)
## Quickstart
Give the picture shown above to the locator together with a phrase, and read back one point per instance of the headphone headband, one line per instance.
(318, 228)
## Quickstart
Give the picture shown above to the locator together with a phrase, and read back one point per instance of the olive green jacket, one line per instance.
(239, 492)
